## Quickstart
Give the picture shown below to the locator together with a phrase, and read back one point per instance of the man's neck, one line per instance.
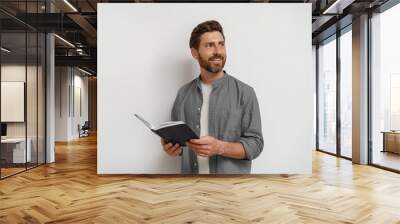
(208, 78)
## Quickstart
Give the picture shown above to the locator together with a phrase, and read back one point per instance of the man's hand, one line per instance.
(206, 146)
(172, 150)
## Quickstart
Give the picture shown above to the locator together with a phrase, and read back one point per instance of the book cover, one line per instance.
(172, 131)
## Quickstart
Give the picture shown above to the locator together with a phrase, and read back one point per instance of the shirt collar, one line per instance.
(216, 83)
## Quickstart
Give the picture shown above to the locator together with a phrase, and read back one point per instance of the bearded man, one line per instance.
(219, 108)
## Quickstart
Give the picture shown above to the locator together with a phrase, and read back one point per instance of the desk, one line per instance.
(391, 141)
(13, 150)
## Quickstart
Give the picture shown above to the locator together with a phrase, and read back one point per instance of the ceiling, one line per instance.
(76, 22)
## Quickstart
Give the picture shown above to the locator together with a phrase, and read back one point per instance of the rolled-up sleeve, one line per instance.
(251, 138)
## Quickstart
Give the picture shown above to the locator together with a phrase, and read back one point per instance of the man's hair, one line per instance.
(204, 27)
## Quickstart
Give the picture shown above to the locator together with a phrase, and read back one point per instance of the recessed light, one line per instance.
(5, 50)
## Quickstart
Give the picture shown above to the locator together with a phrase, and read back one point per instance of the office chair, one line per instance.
(84, 130)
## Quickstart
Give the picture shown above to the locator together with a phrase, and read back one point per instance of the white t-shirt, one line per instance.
(203, 163)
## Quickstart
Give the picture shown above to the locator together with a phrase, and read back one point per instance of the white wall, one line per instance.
(61, 103)
(67, 117)
(144, 58)
(81, 94)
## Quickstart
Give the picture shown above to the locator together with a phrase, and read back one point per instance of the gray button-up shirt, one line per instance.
(234, 116)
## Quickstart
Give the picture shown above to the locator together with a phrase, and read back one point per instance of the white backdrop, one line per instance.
(144, 57)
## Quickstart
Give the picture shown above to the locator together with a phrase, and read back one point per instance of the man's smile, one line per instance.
(216, 60)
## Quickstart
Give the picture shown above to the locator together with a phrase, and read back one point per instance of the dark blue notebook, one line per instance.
(172, 131)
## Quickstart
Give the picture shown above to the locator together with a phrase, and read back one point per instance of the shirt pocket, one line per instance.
(230, 124)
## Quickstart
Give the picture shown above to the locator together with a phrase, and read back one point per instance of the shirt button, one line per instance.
(195, 164)
(197, 126)
(198, 108)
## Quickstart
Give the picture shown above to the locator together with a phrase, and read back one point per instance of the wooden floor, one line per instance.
(386, 159)
(70, 191)
(5, 172)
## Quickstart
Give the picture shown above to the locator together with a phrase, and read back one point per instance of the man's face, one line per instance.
(211, 54)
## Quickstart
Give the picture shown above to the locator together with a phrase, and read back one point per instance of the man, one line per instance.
(219, 108)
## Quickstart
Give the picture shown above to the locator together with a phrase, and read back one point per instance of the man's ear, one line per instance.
(195, 53)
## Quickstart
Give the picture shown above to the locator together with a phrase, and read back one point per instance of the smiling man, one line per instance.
(220, 108)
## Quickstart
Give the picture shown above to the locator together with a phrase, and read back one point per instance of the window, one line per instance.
(346, 94)
(385, 88)
(327, 96)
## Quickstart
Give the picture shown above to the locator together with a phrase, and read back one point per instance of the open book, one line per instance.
(172, 131)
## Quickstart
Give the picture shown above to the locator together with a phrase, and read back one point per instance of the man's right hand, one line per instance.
(172, 150)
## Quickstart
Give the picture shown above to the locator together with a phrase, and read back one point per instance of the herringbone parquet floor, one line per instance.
(70, 191)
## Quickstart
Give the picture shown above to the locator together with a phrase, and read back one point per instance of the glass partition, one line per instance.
(22, 67)
(13, 109)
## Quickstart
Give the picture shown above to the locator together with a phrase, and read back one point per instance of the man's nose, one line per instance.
(217, 50)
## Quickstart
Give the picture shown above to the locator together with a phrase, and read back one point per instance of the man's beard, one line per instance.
(207, 64)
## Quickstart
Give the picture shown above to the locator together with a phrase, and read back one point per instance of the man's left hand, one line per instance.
(206, 146)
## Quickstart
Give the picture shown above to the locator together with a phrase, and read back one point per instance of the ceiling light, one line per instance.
(64, 40)
(70, 5)
(329, 9)
(338, 6)
(84, 71)
(5, 50)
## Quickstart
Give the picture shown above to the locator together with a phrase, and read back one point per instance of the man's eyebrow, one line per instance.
(212, 42)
